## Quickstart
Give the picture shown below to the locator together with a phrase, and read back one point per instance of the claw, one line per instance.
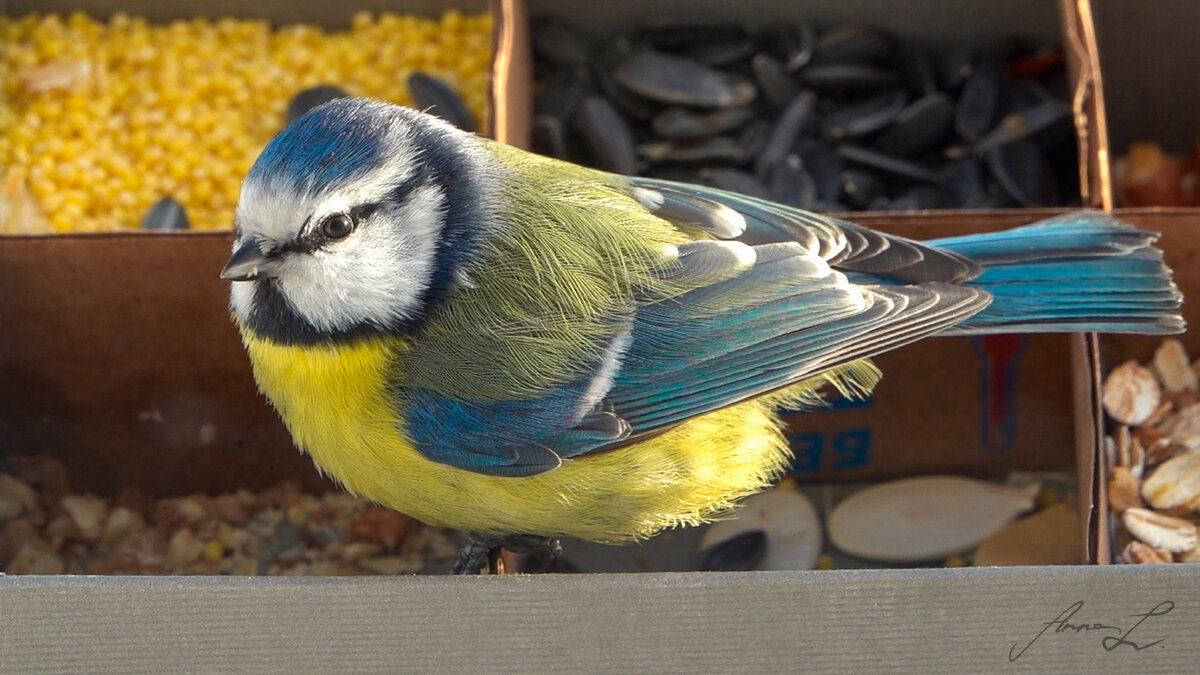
(477, 554)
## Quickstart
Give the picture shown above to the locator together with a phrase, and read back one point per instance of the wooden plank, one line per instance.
(964, 620)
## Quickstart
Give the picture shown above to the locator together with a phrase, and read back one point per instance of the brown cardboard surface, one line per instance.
(512, 70)
(119, 356)
(937, 22)
(1086, 414)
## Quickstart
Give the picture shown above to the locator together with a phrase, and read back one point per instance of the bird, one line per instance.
(525, 349)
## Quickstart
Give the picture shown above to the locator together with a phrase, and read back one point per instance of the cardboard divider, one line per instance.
(512, 70)
(1086, 415)
(1079, 40)
(1095, 184)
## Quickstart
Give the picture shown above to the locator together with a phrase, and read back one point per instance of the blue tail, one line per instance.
(1084, 271)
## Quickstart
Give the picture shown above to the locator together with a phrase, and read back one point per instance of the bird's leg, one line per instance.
(544, 549)
(476, 555)
(473, 557)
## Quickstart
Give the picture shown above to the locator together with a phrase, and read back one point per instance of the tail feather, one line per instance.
(1083, 271)
(1082, 233)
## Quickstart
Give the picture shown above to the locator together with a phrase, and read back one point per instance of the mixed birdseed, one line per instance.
(848, 118)
(1153, 457)
(101, 121)
(45, 528)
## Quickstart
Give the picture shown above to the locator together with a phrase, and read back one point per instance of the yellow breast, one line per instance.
(335, 402)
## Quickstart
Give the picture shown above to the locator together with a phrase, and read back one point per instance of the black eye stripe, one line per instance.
(314, 239)
(402, 191)
(362, 212)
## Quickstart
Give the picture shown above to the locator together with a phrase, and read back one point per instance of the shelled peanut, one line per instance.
(47, 529)
(1154, 456)
(100, 120)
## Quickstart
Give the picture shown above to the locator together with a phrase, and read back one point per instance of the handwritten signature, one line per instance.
(1065, 623)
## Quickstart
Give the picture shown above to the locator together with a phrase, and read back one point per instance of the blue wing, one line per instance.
(788, 318)
(519, 437)
(760, 318)
(798, 295)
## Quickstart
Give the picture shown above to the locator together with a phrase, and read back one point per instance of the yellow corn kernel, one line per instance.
(214, 551)
(185, 108)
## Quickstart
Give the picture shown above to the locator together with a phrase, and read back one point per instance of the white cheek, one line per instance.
(241, 297)
(377, 275)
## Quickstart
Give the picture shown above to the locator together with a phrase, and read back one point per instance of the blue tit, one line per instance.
(494, 341)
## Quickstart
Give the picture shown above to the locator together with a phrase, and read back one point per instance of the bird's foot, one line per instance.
(479, 551)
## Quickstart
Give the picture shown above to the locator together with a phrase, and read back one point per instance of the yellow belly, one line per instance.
(333, 400)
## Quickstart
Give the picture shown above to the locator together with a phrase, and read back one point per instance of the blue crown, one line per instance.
(332, 144)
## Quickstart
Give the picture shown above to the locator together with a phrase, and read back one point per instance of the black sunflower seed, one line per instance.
(434, 96)
(675, 80)
(165, 214)
(607, 135)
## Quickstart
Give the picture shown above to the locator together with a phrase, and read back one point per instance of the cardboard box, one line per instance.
(97, 370)
(86, 351)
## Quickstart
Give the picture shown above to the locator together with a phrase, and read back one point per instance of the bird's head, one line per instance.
(356, 218)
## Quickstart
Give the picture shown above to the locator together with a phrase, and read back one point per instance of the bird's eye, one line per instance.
(337, 226)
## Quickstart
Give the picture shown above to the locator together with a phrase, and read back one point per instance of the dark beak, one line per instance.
(249, 263)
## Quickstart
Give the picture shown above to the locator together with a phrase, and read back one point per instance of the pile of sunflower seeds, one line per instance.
(845, 119)
(46, 529)
(1154, 457)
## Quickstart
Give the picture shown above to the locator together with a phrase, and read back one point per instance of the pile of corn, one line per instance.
(100, 120)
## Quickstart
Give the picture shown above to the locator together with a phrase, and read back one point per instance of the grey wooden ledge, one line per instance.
(960, 620)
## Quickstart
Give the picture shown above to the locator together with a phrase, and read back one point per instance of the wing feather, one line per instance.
(800, 295)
